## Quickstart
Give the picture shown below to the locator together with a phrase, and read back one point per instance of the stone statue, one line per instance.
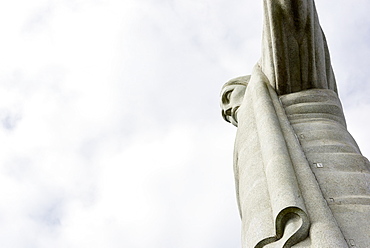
(301, 180)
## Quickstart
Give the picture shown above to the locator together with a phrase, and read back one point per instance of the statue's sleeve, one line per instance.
(295, 55)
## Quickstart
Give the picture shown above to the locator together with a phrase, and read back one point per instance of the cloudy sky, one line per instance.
(111, 133)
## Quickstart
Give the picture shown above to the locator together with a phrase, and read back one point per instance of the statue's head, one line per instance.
(232, 94)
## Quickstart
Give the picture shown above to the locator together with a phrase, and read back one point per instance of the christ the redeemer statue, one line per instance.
(301, 180)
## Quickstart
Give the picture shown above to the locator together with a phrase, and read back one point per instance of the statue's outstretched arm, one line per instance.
(296, 14)
(295, 56)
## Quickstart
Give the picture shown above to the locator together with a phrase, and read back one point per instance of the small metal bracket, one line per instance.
(319, 165)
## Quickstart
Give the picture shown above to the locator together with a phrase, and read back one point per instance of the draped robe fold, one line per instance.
(295, 54)
(301, 180)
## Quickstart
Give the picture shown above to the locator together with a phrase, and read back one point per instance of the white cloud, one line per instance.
(111, 129)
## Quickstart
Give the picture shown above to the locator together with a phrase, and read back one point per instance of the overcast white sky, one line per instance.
(111, 133)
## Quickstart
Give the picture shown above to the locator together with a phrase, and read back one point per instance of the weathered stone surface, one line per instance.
(232, 94)
(295, 55)
(301, 180)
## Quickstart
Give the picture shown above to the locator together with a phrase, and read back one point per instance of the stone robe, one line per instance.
(301, 180)
(295, 55)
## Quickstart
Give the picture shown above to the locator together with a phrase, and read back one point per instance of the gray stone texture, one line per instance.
(301, 180)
